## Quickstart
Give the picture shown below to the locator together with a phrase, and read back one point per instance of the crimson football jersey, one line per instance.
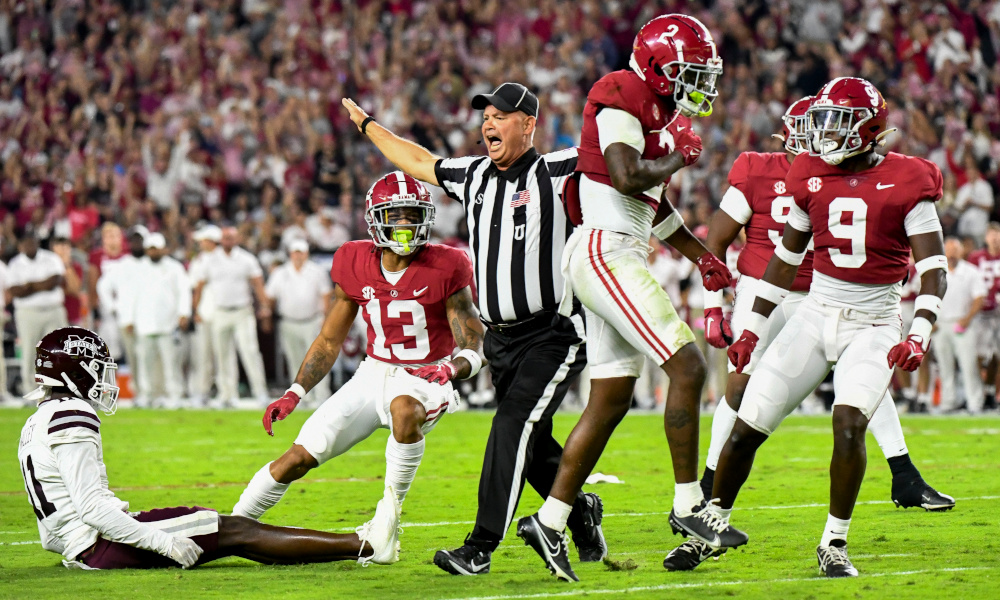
(911, 289)
(407, 322)
(761, 179)
(624, 90)
(858, 218)
(989, 266)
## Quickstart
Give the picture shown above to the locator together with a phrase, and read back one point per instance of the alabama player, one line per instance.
(636, 135)
(864, 212)
(987, 322)
(62, 461)
(409, 292)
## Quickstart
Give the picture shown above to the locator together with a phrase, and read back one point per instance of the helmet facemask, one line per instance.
(799, 140)
(842, 121)
(104, 392)
(403, 238)
(694, 85)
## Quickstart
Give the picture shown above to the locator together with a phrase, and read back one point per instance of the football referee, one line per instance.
(517, 230)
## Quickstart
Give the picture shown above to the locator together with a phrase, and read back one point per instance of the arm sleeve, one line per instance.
(978, 285)
(184, 294)
(80, 470)
(273, 285)
(254, 265)
(922, 218)
(799, 219)
(618, 126)
(325, 285)
(450, 173)
(735, 204)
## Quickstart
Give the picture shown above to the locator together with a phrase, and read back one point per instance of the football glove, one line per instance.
(688, 144)
(184, 551)
(714, 273)
(441, 373)
(279, 409)
(739, 353)
(908, 354)
(718, 332)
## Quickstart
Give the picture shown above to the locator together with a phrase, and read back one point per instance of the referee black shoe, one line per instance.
(549, 544)
(917, 493)
(706, 525)
(465, 560)
(587, 533)
(689, 555)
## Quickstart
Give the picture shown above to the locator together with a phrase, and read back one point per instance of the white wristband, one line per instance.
(938, 261)
(756, 323)
(922, 327)
(714, 299)
(929, 303)
(787, 255)
(297, 389)
(770, 292)
(668, 226)
(475, 361)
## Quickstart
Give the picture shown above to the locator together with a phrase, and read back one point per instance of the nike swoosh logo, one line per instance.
(879, 186)
(477, 568)
(682, 128)
(553, 550)
(420, 291)
(708, 323)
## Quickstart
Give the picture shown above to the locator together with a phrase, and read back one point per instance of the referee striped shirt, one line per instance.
(517, 229)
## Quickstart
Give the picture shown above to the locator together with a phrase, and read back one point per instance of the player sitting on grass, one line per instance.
(62, 462)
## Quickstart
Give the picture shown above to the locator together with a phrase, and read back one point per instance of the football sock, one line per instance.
(722, 425)
(401, 462)
(554, 513)
(687, 497)
(722, 512)
(262, 493)
(885, 426)
(903, 468)
(836, 529)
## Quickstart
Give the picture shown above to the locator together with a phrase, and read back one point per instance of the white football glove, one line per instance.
(184, 551)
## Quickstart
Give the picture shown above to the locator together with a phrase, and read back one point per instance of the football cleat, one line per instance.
(689, 555)
(382, 532)
(917, 493)
(465, 560)
(833, 561)
(549, 544)
(707, 526)
(589, 539)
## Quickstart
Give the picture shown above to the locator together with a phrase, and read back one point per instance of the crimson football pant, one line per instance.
(532, 366)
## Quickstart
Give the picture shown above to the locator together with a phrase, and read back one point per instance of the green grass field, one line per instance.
(160, 459)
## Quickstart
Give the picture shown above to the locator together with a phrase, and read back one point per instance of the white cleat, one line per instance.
(382, 532)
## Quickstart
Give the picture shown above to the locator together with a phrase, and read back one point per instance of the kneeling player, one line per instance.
(409, 296)
(62, 461)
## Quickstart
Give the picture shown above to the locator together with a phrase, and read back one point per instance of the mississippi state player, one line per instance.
(62, 460)
(636, 135)
(409, 292)
(987, 322)
(864, 212)
(757, 201)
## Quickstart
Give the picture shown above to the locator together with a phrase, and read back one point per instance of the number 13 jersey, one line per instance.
(407, 321)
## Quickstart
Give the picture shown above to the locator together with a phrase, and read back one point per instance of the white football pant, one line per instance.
(949, 348)
(296, 337)
(237, 326)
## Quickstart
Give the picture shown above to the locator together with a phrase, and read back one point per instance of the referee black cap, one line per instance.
(509, 97)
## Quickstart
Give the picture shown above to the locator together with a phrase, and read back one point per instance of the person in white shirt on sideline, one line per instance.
(202, 357)
(230, 272)
(952, 340)
(115, 276)
(324, 230)
(301, 291)
(154, 304)
(35, 282)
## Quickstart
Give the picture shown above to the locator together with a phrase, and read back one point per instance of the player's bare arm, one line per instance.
(325, 348)
(682, 239)
(632, 175)
(411, 158)
(722, 231)
(33, 287)
(466, 328)
(669, 227)
(779, 272)
(933, 282)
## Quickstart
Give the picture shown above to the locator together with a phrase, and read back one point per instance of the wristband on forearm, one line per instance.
(475, 361)
(364, 124)
(297, 389)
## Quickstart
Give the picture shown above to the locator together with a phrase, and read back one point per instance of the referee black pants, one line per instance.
(531, 373)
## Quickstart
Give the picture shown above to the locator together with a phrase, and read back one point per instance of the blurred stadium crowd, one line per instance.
(171, 115)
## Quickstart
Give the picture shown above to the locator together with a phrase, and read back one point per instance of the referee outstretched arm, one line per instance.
(409, 157)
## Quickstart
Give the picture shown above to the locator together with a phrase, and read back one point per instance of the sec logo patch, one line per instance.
(368, 292)
(814, 184)
(779, 187)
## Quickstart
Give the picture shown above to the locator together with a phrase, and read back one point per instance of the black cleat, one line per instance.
(917, 493)
(833, 561)
(707, 526)
(589, 539)
(549, 544)
(707, 481)
(689, 555)
(465, 560)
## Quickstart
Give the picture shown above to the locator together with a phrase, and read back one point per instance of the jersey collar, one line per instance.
(515, 169)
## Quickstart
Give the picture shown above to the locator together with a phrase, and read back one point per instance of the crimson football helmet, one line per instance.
(676, 55)
(795, 126)
(76, 359)
(848, 116)
(394, 191)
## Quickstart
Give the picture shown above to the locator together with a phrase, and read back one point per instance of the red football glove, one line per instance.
(739, 353)
(279, 409)
(717, 329)
(713, 272)
(440, 373)
(688, 144)
(908, 354)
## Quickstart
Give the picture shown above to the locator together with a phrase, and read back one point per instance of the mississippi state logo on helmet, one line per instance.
(794, 126)
(77, 359)
(399, 213)
(676, 55)
(848, 116)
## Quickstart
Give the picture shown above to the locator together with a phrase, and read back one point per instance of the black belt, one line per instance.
(533, 324)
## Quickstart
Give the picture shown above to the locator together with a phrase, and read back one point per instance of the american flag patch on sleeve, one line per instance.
(520, 199)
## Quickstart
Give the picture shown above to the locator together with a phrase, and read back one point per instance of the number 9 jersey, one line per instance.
(407, 320)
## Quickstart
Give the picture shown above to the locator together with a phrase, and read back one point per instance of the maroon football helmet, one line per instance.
(795, 126)
(848, 116)
(395, 191)
(77, 359)
(676, 55)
